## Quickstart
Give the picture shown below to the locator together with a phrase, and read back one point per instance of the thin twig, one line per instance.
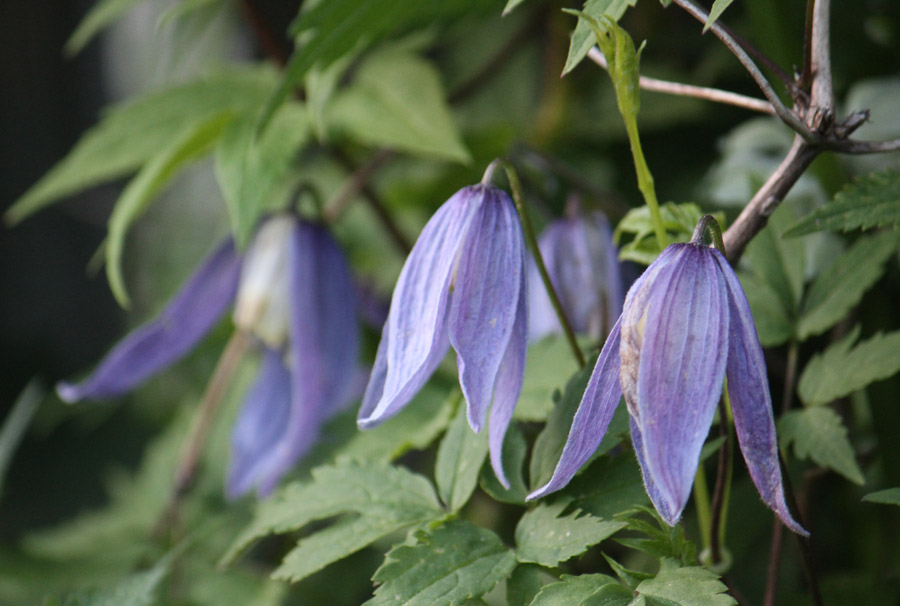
(806, 555)
(689, 90)
(786, 114)
(822, 92)
(268, 40)
(351, 188)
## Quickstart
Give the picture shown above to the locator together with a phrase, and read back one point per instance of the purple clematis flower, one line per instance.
(583, 265)
(292, 292)
(685, 326)
(462, 285)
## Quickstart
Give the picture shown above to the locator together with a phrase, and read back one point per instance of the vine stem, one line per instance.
(518, 198)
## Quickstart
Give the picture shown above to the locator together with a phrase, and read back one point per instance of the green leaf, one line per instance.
(839, 370)
(584, 590)
(610, 485)
(141, 190)
(841, 286)
(396, 100)
(774, 324)
(678, 219)
(632, 578)
(101, 15)
(550, 442)
(254, 172)
(819, 434)
(137, 589)
(459, 460)
(523, 584)
(548, 364)
(780, 262)
(715, 12)
(889, 496)
(133, 133)
(870, 201)
(16, 423)
(348, 487)
(511, 5)
(330, 30)
(583, 37)
(688, 586)
(445, 565)
(514, 451)
(659, 540)
(545, 536)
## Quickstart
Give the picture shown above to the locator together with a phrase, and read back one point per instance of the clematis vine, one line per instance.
(294, 298)
(685, 326)
(462, 285)
(583, 265)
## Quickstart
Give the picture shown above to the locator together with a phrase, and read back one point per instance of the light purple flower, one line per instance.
(293, 292)
(462, 285)
(583, 265)
(685, 326)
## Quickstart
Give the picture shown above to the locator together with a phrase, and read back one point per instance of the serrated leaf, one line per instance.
(839, 370)
(445, 565)
(870, 201)
(348, 487)
(688, 586)
(132, 133)
(780, 262)
(138, 589)
(545, 536)
(841, 285)
(514, 451)
(396, 100)
(632, 578)
(819, 434)
(583, 37)
(524, 584)
(610, 485)
(774, 325)
(100, 16)
(143, 188)
(679, 221)
(252, 171)
(548, 363)
(459, 460)
(584, 590)
(715, 12)
(889, 496)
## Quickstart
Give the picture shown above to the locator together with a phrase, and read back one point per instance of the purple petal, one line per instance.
(509, 386)
(542, 318)
(592, 417)
(324, 343)
(751, 404)
(683, 329)
(260, 425)
(485, 297)
(416, 329)
(195, 309)
(670, 512)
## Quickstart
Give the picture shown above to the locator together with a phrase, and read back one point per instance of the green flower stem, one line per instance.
(645, 178)
(516, 187)
(701, 501)
(725, 472)
(708, 232)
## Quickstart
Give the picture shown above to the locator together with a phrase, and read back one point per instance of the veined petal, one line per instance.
(260, 425)
(509, 386)
(592, 417)
(751, 403)
(681, 368)
(323, 346)
(484, 296)
(416, 329)
(185, 320)
(670, 512)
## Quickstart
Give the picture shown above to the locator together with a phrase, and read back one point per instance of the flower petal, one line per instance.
(324, 343)
(260, 425)
(195, 309)
(751, 403)
(416, 329)
(485, 297)
(509, 386)
(592, 417)
(670, 512)
(681, 368)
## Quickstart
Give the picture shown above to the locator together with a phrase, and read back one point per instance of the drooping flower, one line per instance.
(685, 326)
(293, 292)
(583, 265)
(462, 285)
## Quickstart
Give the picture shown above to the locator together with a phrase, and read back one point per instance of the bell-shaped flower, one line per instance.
(583, 265)
(685, 327)
(462, 285)
(292, 292)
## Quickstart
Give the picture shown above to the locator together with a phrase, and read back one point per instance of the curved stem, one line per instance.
(516, 188)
